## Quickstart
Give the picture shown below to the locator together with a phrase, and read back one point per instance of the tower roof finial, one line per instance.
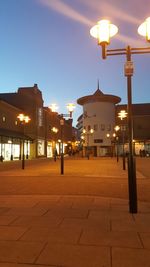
(98, 84)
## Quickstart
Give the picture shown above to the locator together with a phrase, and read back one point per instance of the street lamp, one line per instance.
(144, 29)
(90, 132)
(103, 31)
(117, 128)
(122, 115)
(70, 108)
(53, 107)
(55, 131)
(23, 119)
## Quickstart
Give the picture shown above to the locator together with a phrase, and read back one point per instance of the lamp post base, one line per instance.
(132, 185)
(62, 163)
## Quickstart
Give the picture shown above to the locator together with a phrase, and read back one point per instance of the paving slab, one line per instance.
(30, 221)
(110, 238)
(97, 223)
(75, 256)
(68, 213)
(120, 224)
(130, 257)
(65, 235)
(111, 214)
(20, 251)
(11, 232)
(34, 211)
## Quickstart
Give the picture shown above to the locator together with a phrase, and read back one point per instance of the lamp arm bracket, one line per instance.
(122, 51)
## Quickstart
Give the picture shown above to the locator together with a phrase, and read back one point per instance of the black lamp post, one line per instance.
(61, 147)
(103, 31)
(70, 108)
(55, 131)
(122, 115)
(23, 119)
(117, 128)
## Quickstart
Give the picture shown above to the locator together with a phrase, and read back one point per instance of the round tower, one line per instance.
(98, 122)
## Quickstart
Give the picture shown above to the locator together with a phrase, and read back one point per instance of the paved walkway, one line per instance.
(64, 230)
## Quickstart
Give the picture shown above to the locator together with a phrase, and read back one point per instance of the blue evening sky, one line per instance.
(48, 42)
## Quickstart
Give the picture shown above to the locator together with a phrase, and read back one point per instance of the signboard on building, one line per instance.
(98, 141)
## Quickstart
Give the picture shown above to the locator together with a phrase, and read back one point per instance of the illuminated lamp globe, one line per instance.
(103, 30)
(144, 29)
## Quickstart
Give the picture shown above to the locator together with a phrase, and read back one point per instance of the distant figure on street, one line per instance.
(55, 154)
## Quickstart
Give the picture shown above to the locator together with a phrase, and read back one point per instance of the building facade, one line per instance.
(98, 120)
(11, 133)
(41, 136)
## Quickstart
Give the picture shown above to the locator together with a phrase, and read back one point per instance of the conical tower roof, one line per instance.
(98, 96)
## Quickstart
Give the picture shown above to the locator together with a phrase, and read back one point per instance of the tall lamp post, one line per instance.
(70, 108)
(117, 128)
(55, 131)
(103, 31)
(23, 119)
(122, 115)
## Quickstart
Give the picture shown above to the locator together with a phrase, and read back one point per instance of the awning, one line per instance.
(13, 134)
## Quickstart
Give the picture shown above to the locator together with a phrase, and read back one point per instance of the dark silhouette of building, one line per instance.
(40, 139)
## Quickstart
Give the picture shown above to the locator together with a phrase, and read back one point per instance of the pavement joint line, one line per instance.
(80, 235)
(45, 212)
(11, 223)
(140, 239)
(28, 229)
(44, 246)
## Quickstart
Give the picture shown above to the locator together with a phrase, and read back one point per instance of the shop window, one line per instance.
(108, 127)
(102, 127)
(95, 127)
(40, 147)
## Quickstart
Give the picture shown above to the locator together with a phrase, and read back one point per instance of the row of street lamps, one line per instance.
(103, 31)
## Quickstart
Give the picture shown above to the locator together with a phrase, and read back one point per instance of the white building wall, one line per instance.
(99, 116)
